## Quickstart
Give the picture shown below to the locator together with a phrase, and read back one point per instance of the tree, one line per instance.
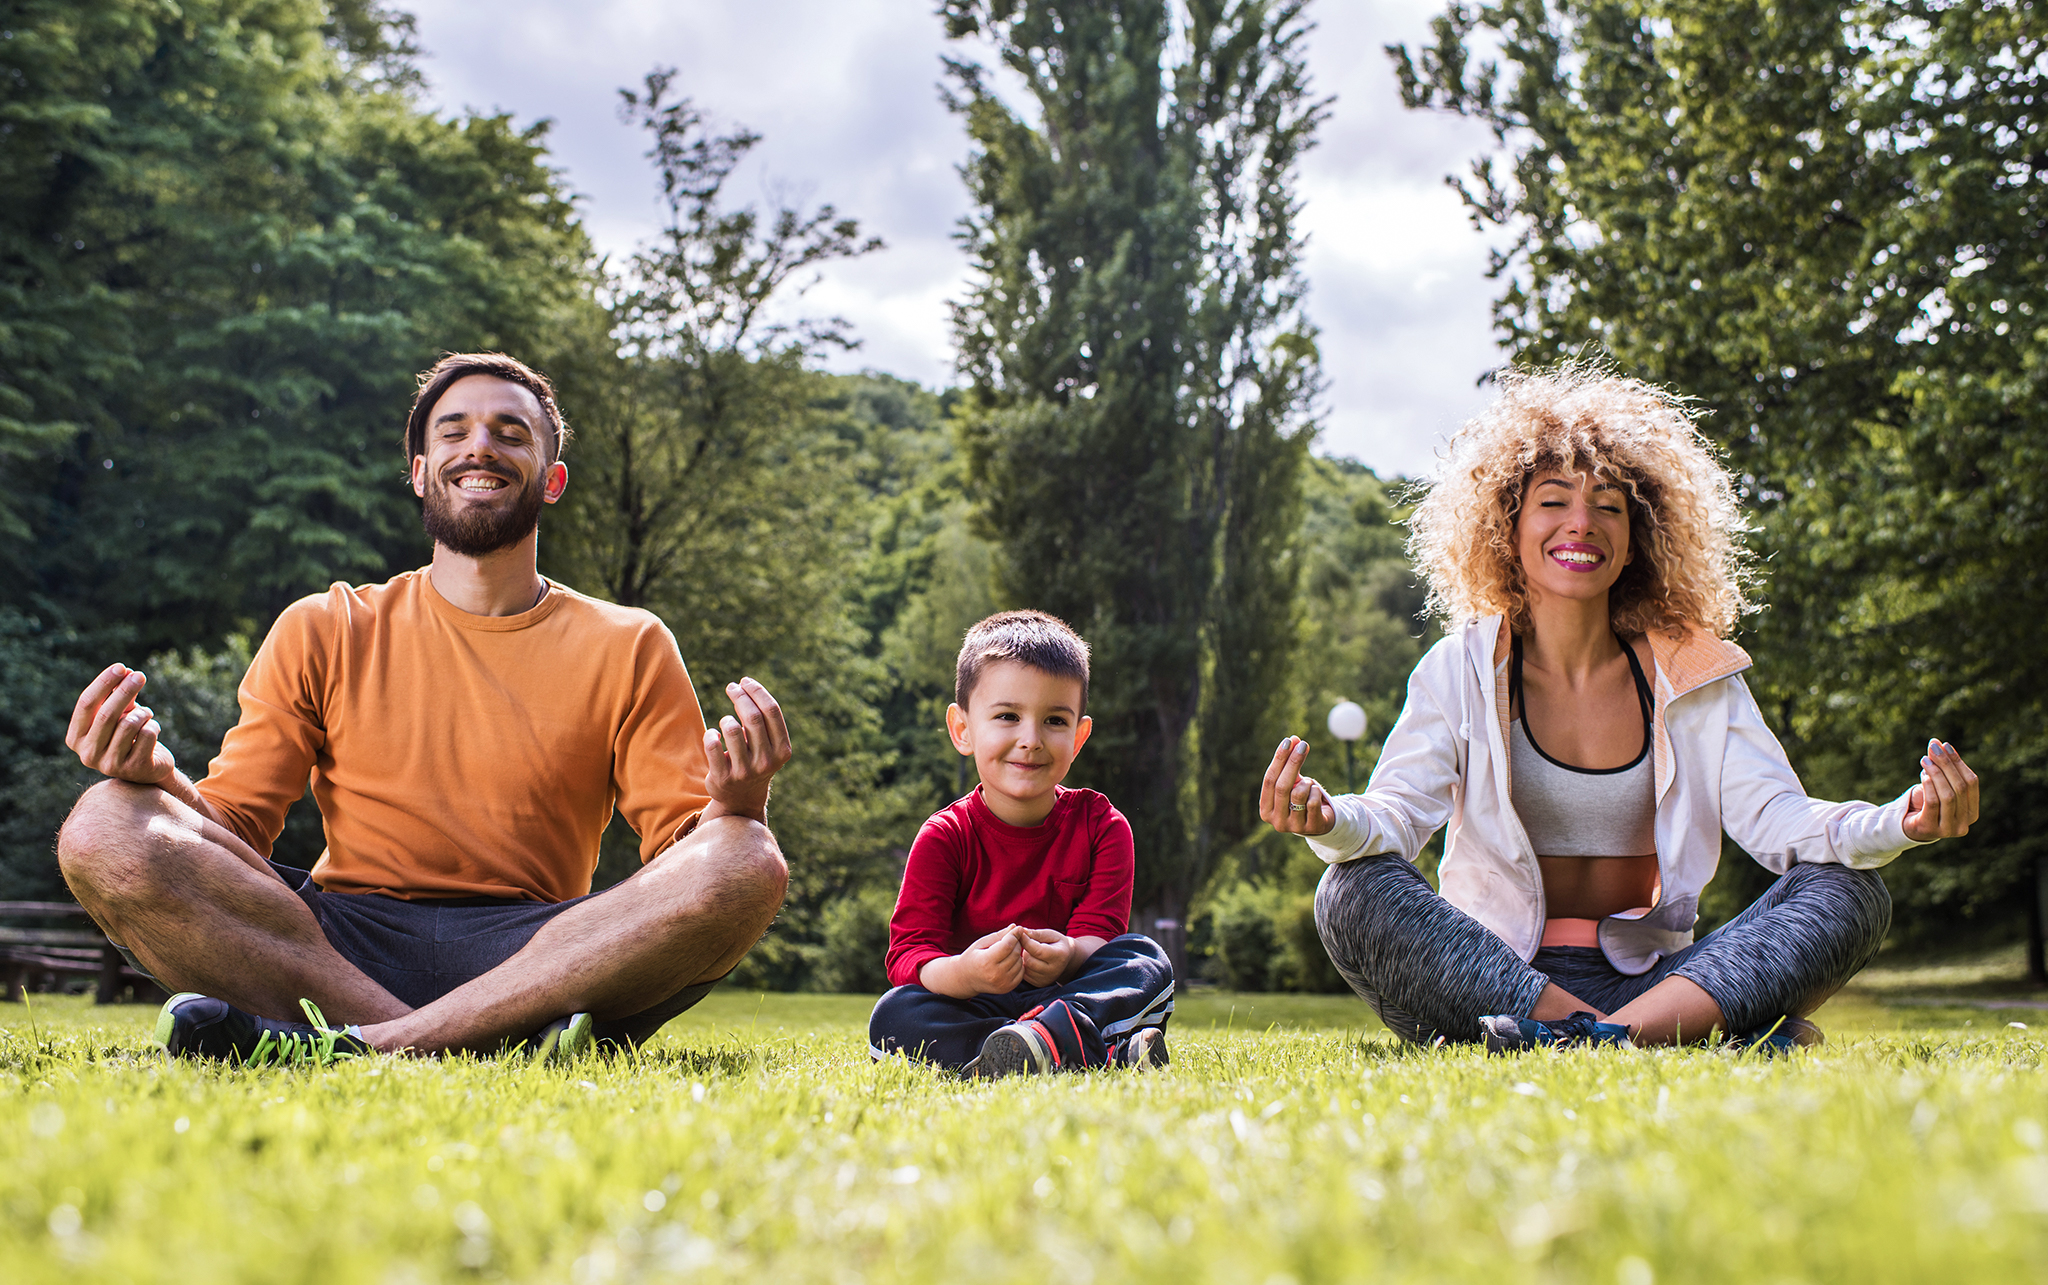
(1141, 373)
(719, 481)
(1358, 617)
(1825, 222)
(229, 236)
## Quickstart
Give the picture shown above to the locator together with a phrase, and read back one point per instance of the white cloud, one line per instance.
(844, 93)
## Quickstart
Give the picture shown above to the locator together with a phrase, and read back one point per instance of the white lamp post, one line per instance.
(1347, 724)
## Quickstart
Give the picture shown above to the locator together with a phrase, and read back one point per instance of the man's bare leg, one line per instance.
(203, 911)
(686, 917)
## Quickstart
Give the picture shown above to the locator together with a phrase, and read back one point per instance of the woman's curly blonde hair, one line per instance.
(1689, 566)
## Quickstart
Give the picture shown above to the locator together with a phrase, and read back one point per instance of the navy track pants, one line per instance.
(1123, 986)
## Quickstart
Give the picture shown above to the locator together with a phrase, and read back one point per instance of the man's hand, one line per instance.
(744, 752)
(1944, 804)
(1290, 802)
(116, 737)
(991, 966)
(1048, 954)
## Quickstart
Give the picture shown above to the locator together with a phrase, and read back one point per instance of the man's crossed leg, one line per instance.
(204, 912)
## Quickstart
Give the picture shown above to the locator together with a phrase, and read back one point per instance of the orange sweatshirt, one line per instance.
(463, 756)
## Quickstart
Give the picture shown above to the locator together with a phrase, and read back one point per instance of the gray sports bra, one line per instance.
(1582, 811)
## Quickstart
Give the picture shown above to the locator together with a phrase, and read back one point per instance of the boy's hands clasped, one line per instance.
(995, 963)
(1048, 955)
(1005, 959)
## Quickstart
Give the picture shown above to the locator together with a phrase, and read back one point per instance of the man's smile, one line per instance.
(480, 481)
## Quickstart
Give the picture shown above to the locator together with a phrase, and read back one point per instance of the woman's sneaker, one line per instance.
(1144, 1049)
(200, 1026)
(1777, 1038)
(1509, 1034)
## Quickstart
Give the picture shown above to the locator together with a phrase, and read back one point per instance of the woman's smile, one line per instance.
(1577, 557)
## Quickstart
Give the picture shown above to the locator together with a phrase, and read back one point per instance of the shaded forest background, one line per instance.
(230, 234)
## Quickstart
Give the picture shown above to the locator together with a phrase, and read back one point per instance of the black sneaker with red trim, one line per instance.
(1022, 1048)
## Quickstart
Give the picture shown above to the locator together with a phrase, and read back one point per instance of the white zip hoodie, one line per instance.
(1717, 768)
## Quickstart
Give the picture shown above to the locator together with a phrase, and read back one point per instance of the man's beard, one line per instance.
(474, 530)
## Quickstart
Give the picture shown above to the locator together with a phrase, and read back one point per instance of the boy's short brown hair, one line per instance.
(1028, 637)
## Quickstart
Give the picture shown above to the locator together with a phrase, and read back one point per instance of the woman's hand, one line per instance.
(1944, 804)
(1295, 804)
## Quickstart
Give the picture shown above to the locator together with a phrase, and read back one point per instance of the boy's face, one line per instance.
(1023, 727)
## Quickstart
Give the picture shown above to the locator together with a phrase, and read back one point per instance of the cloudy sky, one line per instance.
(845, 94)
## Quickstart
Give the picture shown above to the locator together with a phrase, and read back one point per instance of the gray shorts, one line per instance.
(421, 950)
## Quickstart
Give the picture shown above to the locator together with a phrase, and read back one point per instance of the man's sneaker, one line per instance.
(1144, 1048)
(563, 1040)
(1774, 1039)
(200, 1026)
(1509, 1034)
(1021, 1048)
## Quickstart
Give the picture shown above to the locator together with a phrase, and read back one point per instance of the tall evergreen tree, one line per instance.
(1141, 373)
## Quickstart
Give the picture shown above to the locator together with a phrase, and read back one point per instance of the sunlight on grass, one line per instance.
(756, 1140)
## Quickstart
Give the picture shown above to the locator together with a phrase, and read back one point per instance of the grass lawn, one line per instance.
(1292, 1140)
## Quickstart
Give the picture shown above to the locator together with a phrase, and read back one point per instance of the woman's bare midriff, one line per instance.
(1595, 887)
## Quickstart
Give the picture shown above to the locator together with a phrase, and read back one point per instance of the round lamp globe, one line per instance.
(1347, 721)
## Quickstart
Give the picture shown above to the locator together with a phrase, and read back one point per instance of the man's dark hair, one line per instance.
(1028, 637)
(460, 365)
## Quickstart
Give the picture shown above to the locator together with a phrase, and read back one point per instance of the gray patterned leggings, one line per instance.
(1429, 969)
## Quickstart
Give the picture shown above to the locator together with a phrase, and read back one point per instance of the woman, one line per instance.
(1586, 734)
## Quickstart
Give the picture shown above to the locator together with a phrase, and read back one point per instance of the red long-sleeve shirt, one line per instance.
(971, 873)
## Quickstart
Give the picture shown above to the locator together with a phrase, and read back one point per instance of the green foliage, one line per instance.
(41, 673)
(1825, 223)
(1261, 935)
(193, 696)
(1141, 375)
(1244, 937)
(1356, 618)
(228, 237)
(853, 939)
(1263, 938)
(758, 1140)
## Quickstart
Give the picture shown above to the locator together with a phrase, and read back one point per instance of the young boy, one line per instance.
(1007, 949)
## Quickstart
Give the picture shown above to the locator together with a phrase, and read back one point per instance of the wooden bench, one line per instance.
(44, 958)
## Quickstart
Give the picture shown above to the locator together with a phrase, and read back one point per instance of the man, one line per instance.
(468, 729)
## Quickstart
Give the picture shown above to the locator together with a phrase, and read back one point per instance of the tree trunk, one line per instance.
(2037, 925)
(1165, 921)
